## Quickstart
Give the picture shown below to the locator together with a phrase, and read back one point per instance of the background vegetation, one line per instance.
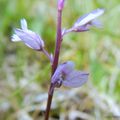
(24, 73)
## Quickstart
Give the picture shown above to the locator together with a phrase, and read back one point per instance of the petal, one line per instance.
(15, 38)
(96, 23)
(36, 37)
(68, 67)
(57, 74)
(30, 38)
(75, 79)
(64, 68)
(23, 24)
(89, 17)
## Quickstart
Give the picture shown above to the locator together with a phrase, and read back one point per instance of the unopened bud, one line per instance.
(60, 4)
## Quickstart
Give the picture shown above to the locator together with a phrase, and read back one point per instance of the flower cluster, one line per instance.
(65, 73)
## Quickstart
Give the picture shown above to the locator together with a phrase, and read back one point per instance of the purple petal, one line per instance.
(88, 17)
(68, 67)
(96, 23)
(75, 79)
(64, 68)
(69, 77)
(30, 38)
(87, 26)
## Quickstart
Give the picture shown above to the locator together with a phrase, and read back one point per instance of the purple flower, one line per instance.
(66, 74)
(86, 21)
(30, 38)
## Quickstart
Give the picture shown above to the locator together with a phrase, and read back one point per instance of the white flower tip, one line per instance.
(99, 11)
(23, 24)
(15, 38)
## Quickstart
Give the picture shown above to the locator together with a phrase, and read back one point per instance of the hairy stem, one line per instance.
(55, 62)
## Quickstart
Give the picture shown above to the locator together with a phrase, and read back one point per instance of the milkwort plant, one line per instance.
(65, 73)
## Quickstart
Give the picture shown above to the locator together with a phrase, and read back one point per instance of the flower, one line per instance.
(86, 21)
(30, 38)
(66, 74)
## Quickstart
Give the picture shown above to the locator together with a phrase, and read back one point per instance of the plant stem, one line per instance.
(47, 54)
(58, 43)
(55, 62)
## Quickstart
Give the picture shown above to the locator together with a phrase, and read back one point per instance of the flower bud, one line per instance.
(60, 4)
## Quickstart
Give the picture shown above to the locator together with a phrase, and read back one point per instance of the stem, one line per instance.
(49, 102)
(55, 63)
(58, 43)
(47, 54)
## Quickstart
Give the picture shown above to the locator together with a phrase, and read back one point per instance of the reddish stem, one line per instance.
(55, 63)
(58, 43)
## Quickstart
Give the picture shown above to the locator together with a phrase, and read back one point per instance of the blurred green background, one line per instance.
(25, 73)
